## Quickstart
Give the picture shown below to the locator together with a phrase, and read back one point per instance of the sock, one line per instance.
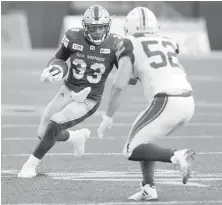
(32, 162)
(74, 134)
(151, 152)
(147, 168)
(63, 136)
(70, 139)
(48, 140)
(173, 159)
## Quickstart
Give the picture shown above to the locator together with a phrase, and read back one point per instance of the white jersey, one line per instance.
(156, 64)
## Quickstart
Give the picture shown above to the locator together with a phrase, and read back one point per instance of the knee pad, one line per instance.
(52, 131)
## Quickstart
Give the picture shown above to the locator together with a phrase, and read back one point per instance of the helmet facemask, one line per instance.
(96, 33)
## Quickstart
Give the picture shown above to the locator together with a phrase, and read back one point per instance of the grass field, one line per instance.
(103, 176)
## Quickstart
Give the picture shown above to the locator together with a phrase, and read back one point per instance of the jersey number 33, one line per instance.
(80, 69)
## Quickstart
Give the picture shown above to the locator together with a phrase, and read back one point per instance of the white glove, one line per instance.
(82, 95)
(104, 125)
(47, 77)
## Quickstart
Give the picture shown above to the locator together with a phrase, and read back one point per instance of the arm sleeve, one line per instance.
(63, 53)
(125, 48)
(116, 64)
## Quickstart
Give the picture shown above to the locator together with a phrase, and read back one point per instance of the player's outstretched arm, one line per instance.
(121, 81)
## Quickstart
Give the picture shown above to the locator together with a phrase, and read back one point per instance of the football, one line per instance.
(60, 66)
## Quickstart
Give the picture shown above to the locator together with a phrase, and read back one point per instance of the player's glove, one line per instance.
(82, 95)
(50, 77)
(105, 124)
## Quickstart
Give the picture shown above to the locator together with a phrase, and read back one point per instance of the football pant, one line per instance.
(65, 111)
(162, 117)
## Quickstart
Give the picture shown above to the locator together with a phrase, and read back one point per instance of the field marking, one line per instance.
(192, 124)
(140, 100)
(167, 177)
(133, 203)
(170, 173)
(95, 154)
(116, 137)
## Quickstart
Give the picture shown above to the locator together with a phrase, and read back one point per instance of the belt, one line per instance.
(186, 94)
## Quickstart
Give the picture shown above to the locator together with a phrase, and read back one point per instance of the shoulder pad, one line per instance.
(125, 48)
(73, 33)
(116, 36)
(116, 39)
(70, 35)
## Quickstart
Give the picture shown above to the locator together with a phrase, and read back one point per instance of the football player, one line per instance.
(152, 60)
(92, 54)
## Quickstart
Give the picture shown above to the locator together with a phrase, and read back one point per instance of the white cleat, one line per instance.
(146, 193)
(78, 139)
(183, 159)
(27, 173)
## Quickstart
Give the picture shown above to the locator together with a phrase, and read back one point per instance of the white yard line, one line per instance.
(117, 137)
(134, 203)
(167, 177)
(95, 154)
(194, 124)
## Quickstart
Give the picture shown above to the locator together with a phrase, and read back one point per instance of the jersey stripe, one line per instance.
(96, 13)
(150, 115)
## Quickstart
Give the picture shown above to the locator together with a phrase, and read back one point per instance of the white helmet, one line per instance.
(140, 20)
(96, 17)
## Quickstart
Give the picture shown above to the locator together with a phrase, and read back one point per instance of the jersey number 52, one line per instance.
(167, 58)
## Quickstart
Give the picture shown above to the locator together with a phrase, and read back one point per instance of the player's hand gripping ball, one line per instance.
(55, 72)
(60, 66)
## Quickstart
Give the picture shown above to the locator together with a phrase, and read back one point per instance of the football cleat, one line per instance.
(146, 193)
(183, 159)
(78, 139)
(27, 173)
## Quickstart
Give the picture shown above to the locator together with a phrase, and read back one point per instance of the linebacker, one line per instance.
(151, 59)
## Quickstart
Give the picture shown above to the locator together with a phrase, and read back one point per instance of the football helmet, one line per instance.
(96, 23)
(140, 20)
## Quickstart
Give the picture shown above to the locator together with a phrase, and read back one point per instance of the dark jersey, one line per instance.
(90, 64)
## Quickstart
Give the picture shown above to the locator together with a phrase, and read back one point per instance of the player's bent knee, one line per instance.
(43, 125)
(52, 131)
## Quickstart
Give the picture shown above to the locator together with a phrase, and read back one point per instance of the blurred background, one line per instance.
(31, 33)
(40, 24)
